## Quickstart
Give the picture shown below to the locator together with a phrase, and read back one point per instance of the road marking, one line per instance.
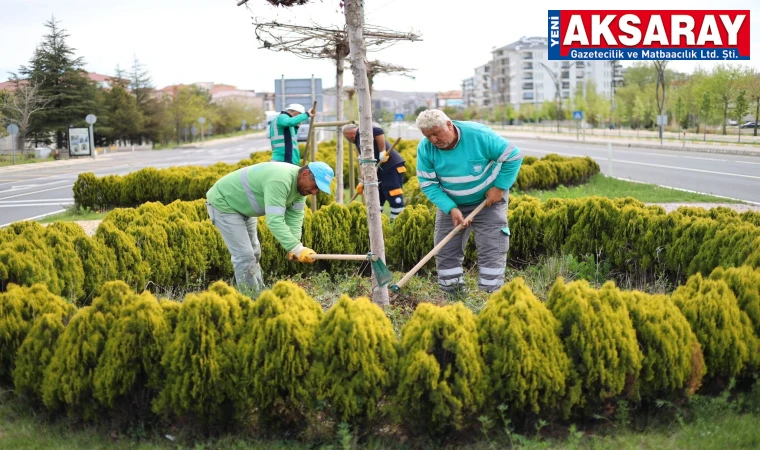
(663, 166)
(41, 200)
(34, 218)
(26, 205)
(35, 192)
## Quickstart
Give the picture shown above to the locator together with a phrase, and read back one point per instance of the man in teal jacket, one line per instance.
(460, 164)
(283, 132)
(273, 189)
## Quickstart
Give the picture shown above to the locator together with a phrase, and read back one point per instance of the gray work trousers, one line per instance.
(491, 241)
(240, 234)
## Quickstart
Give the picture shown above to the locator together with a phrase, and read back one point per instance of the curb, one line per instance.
(219, 141)
(718, 150)
(59, 163)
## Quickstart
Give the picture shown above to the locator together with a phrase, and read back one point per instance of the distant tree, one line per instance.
(61, 80)
(705, 109)
(124, 117)
(21, 105)
(187, 105)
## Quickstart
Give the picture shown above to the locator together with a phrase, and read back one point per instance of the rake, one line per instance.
(381, 271)
(396, 288)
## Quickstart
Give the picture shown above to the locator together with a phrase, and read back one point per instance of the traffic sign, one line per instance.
(194, 130)
(399, 118)
(91, 119)
(12, 128)
(577, 115)
(662, 119)
(202, 120)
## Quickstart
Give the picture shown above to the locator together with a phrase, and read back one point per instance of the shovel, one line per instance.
(381, 271)
(356, 194)
(397, 287)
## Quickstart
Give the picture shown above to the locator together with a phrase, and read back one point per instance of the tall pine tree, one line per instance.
(63, 80)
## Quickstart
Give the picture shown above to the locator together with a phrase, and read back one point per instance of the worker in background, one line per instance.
(283, 131)
(273, 189)
(460, 164)
(390, 168)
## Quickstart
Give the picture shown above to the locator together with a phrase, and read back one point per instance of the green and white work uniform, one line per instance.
(283, 136)
(236, 201)
(460, 178)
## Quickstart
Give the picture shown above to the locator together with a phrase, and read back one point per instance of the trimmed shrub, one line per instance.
(130, 266)
(441, 380)
(412, 238)
(25, 260)
(354, 359)
(68, 378)
(20, 308)
(599, 338)
(129, 370)
(723, 330)
(331, 233)
(524, 357)
(673, 364)
(199, 363)
(275, 352)
(525, 223)
(593, 231)
(36, 352)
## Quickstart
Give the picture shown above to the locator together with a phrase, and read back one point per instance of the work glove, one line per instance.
(305, 255)
(292, 257)
(360, 188)
(383, 157)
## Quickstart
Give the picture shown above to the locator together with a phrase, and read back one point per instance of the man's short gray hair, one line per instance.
(431, 118)
(349, 127)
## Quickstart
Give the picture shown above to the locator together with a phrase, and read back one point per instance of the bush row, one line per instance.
(191, 183)
(176, 245)
(219, 355)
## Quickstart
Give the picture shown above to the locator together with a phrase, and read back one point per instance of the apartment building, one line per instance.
(521, 72)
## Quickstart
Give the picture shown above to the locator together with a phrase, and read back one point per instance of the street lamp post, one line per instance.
(558, 97)
(91, 119)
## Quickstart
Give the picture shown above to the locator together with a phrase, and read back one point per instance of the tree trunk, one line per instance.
(355, 22)
(757, 113)
(725, 115)
(339, 117)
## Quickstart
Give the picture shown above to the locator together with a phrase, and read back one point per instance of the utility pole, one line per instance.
(557, 95)
(660, 66)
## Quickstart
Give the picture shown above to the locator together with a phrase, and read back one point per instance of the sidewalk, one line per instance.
(209, 142)
(59, 163)
(689, 146)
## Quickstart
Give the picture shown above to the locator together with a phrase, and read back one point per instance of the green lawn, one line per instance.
(712, 425)
(614, 188)
(72, 215)
(7, 160)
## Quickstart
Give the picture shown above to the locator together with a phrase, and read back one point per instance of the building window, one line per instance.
(579, 74)
(565, 85)
(527, 86)
(579, 64)
(565, 64)
(565, 74)
(528, 55)
(527, 96)
(565, 94)
(527, 76)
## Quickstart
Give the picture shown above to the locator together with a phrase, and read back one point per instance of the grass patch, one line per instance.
(73, 214)
(613, 188)
(7, 160)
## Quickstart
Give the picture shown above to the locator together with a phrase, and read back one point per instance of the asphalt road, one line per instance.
(32, 192)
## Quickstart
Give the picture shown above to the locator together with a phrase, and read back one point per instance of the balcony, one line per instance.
(527, 66)
(565, 85)
(527, 76)
(527, 55)
(527, 86)
(527, 96)
(565, 74)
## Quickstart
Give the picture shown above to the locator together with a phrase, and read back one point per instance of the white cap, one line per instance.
(296, 107)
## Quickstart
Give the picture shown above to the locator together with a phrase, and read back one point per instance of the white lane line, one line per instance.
(35, 192)
(41, 200)
(34, 218)
(27, 205)
(663, 166)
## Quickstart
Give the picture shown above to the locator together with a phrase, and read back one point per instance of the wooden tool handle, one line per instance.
(341, 257)
(440, 245)
(308, 139)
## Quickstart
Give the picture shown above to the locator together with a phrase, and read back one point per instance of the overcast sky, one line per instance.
(213, 40)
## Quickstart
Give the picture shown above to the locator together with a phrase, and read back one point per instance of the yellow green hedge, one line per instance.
(218, 356)
(192, 182)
